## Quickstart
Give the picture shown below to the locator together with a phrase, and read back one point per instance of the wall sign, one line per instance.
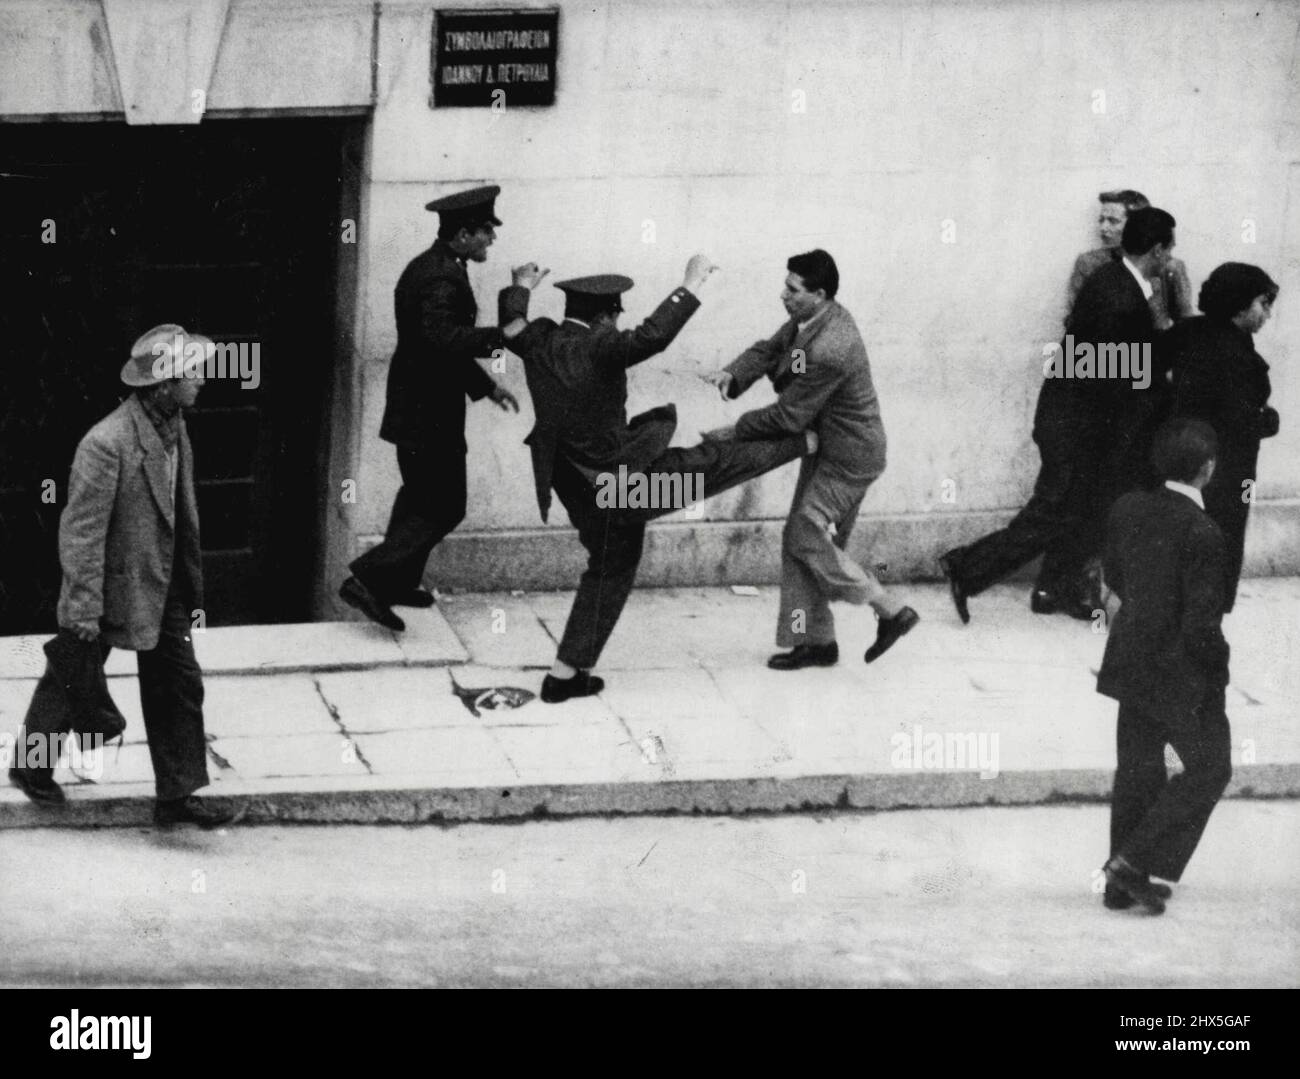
(495, 58)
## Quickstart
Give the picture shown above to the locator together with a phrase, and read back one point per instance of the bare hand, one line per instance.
(85, 631)
(504, 399)
(528, 275)
(721, 380)
(697, 271)
(720, 434)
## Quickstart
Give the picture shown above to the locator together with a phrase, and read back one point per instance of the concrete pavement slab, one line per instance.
(691, 719)
(428, 638)
(499, 630)
(437, 751)
(290, 755)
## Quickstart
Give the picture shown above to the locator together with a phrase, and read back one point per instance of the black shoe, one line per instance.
(193, 810)
(1114, 899)
(955, 588)
(38, 786)
(1135, 884)
(888, 630)
(806, 655)
(357, 595)
(1043, 602)
(582, 684)
(416, 597)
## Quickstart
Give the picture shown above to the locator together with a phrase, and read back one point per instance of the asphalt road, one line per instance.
(981, 897)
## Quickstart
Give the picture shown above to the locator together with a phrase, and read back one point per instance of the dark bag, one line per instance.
(78, 666)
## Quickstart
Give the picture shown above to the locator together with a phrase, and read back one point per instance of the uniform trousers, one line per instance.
(429, 505)
(614, 537)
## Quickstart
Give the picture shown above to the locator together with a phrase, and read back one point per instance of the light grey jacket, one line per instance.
(117, 535)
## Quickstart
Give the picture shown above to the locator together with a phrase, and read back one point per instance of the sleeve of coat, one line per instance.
(761, 358)
(1202, 587)
(1179, 290)
(656, 333)
(1077, 277)
(796, 408)
(83, 528)
(461, 344)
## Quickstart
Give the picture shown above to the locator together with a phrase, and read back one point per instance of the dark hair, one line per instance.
(1145, 228)
(1233, 287)
(1181, 447)
(818, 270)
(1131, 200)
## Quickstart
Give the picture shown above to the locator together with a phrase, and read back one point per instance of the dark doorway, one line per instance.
(230, 228)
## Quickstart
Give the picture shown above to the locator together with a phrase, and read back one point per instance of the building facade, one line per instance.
(257, 171)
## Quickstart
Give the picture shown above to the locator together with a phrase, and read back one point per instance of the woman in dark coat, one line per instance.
(1219, 377)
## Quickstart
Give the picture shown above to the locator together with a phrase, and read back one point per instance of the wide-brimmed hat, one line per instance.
(165, 352)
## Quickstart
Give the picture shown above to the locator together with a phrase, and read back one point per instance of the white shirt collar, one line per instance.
(1188, 490)
(1143, 283)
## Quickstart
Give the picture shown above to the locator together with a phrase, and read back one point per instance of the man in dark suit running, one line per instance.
(1089, 429)
(1166, 662)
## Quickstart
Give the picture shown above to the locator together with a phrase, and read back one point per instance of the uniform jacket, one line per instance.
(433, 368)
(117, 535)
(823, 382)
(1165, 648)
(577, 377)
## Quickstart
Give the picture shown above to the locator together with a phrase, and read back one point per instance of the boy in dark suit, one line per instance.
(1166, 662)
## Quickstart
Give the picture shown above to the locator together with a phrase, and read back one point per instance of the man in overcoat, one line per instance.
(133, 576)
(818, 365)
(600, 463)
(1166, 662)
(432, 372)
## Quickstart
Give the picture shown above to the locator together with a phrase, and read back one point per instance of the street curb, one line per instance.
(913, 790)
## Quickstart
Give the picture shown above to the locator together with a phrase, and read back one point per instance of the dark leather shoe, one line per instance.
(1114, 899)
(888, 630)
(193, 810)
(416, 597)
(1135, 884)
(582, 684)
(355, 594)
(806, 655)
(1044, 602)
(38, 786)
(955, 588)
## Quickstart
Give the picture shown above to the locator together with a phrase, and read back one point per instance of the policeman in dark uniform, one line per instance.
(587, 451)
(432, 372)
